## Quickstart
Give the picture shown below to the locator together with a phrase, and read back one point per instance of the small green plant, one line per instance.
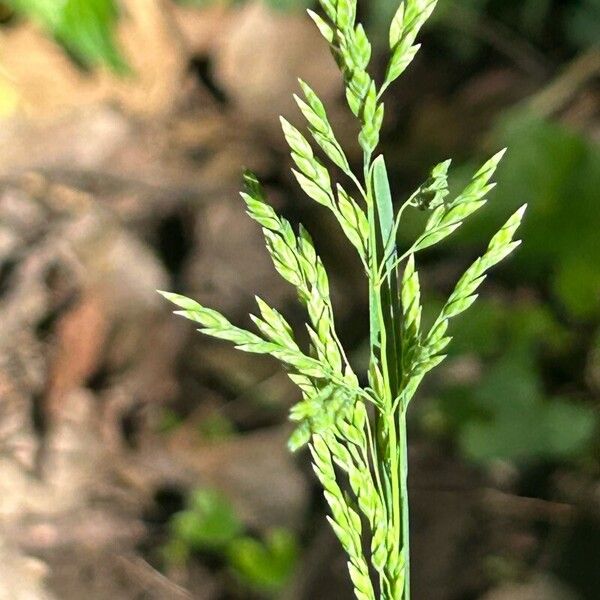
(357, 433)
(509, 416)
(210, 525)
(266, 566)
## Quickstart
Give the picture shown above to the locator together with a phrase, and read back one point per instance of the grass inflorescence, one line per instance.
(357, 434)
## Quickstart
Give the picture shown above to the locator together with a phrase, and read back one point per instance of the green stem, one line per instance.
(405, 505)
(396, 489)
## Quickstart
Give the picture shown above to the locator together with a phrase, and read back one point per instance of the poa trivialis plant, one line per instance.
(357, 433)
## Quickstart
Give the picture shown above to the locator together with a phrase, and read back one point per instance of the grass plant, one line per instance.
(357, 433)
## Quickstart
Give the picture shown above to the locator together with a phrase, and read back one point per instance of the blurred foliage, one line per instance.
(215, 427)
(211, 428)
(84, 27)
(507, 417)
(519, 423)
(557, 172)
(266, 566)
(506, 413)
(583, 25)
(169, 421)
(210, 525)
